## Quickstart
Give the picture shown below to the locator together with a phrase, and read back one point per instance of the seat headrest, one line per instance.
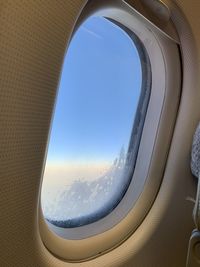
(195, 155)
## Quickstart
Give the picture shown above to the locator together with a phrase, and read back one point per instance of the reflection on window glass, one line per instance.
(89, 161)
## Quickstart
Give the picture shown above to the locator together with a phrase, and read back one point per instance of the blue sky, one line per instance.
(98, 95)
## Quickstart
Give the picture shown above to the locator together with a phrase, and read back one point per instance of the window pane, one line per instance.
(93, 139)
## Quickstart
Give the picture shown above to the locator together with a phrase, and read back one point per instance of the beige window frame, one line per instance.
(163, 51)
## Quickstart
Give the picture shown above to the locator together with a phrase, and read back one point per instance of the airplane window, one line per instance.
(97, 125)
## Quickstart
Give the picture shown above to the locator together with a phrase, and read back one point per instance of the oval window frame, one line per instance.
(97, 238)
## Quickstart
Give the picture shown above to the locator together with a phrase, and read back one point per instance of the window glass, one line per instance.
(94, 137)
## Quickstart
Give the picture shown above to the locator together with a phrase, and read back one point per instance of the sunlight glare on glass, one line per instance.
(86, 168)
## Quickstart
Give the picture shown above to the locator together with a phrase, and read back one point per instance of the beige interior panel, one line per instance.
(33, 39)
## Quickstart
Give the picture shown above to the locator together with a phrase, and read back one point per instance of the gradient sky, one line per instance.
(98, 95)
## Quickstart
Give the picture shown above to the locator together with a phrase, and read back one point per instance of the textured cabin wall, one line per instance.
(33, 39)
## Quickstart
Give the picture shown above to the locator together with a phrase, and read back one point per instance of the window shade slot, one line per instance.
(156, 15)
